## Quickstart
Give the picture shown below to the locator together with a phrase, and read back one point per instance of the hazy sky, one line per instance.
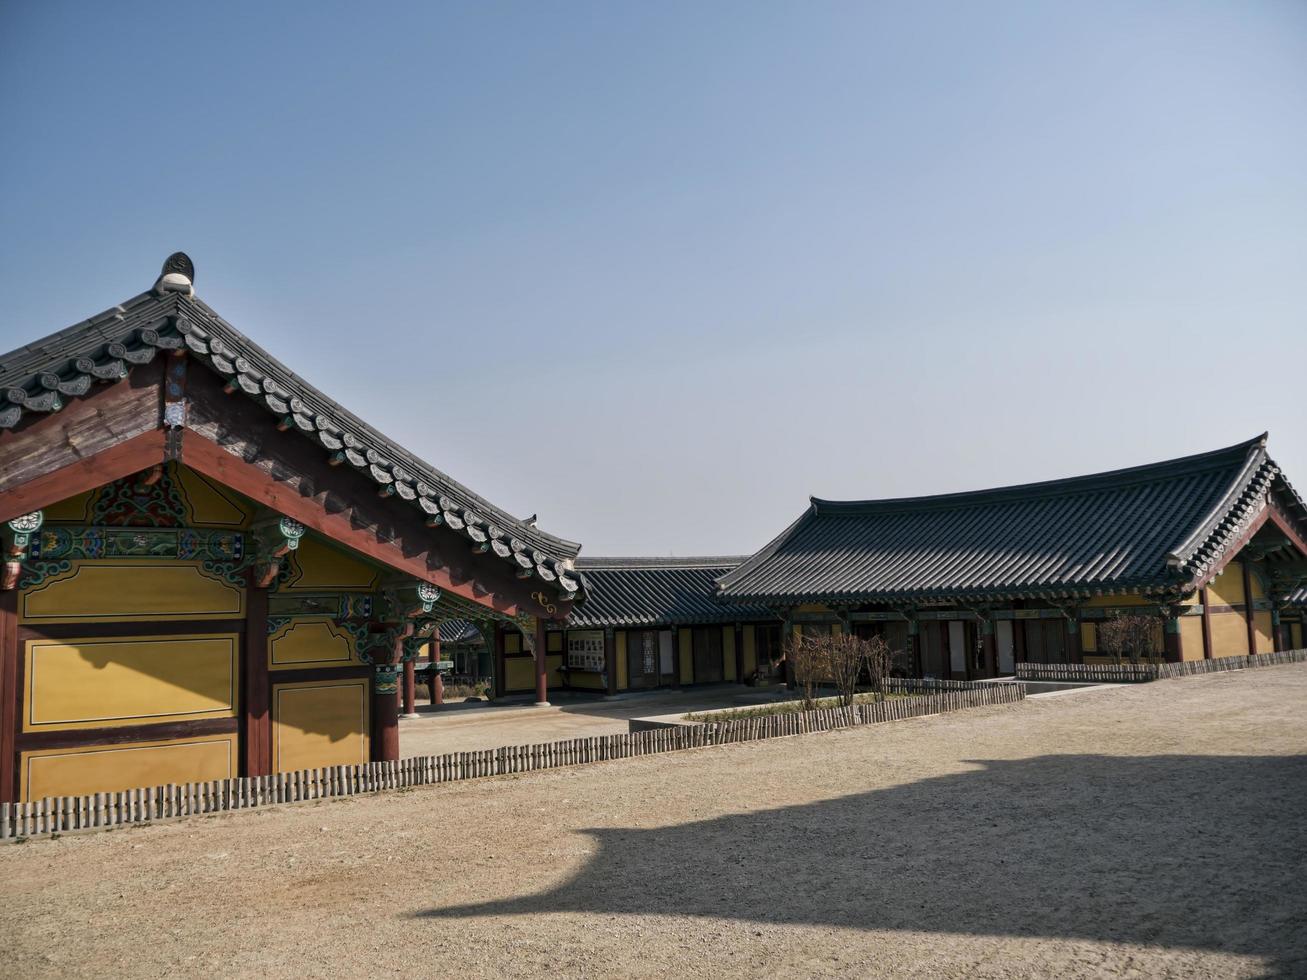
(659, 271)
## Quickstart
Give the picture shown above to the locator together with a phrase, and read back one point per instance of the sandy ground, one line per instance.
(467, 727)
(1153, 831)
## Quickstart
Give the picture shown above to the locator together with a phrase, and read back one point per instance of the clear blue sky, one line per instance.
(660, 271)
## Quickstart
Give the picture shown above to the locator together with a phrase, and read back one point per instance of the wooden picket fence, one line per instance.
(152, 804)
(1135, 673)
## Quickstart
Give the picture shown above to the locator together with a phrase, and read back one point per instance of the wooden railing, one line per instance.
(1134, 673)
(152, 804)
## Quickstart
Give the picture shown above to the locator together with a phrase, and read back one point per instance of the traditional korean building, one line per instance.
(212, 569)
(966, 584)
(656, 622)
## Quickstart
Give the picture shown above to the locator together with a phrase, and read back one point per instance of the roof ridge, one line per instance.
(670, 562)
(1114, 479)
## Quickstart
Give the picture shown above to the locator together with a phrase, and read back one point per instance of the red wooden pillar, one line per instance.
(542, 659)
(1206, 600)
(258, 722)
(10, 696)
(385, 713)
(410, 689)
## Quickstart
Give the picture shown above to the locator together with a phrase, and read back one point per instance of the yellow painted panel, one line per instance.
(520, 674)
(750, 651)
(1191, 637)
(1295, 635)
(553, 670)
(812, 607)
(111, 590)
(1265, 637)
(1254, 579)
(1227, 588)
(316, 566)
(319, 723)
(1088, 637)
(554, 642)
(587, 679)
(728, 653)
(126, 680)
(836, 629)
(210, 504)
(623, 668)
(512, 643)
(132, 765)
(75, 509)
(1229, 635)
(316, 642)
(686, 640)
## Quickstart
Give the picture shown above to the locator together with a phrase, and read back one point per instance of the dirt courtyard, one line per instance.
(1150, 831)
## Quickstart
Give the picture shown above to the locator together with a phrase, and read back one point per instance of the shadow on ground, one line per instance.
(1202, 852)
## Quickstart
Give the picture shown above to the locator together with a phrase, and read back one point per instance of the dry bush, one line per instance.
(1129, 637)
(842, 661)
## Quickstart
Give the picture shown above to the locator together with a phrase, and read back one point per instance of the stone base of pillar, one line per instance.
(542, 704)
(414, 715)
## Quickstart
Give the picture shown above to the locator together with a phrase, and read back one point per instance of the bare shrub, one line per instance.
(1129, 637)
(841, 660)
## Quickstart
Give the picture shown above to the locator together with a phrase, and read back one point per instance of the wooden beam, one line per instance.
(131, 456)
(1285, 525)
(213, 461)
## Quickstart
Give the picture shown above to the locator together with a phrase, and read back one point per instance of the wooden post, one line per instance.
(1248, 613)
(1171, 638)
(1074, 654)
(542, 659)
(410, 689)
(1207, 623)
(914, 647)
(610, 659)
(385, 712)
(989, 644)
(10, 695)
(257, 687)
(739, 653)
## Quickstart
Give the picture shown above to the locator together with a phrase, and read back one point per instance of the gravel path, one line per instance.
(1143, 832)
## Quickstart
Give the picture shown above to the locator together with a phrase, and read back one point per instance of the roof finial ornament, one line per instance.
(177, 275)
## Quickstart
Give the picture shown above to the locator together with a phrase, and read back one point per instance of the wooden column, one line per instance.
(542, 661)
(1207, 623)
(257, 748)
(990, 645)
(410, 689)
(1248, 606)
(739, 653)
(1074, 654)
(610, 660)
(11, 698)
(914, 647)
(385, 713)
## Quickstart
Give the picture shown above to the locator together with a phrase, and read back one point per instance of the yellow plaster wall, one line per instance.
(750, 640)
(1191, 637)
(1089, 637)
(685, 639)
(512, 643)
(117, 590)
(315, 566)
(311, 642)
(728, 653)
(588, 680)
(623, 665)
(109, 768)
(1295, 636)
(210, 504)
(319, 723)
(554, 642)
(76, 510)
(520, 673)
(1227, 588)
(553, 670)
(115, 681)
(1229, 635)
(1262, 625)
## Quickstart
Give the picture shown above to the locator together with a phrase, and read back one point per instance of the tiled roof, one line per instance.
(459, 631)
(1153, 527)
(635, 592)
(40, 376)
